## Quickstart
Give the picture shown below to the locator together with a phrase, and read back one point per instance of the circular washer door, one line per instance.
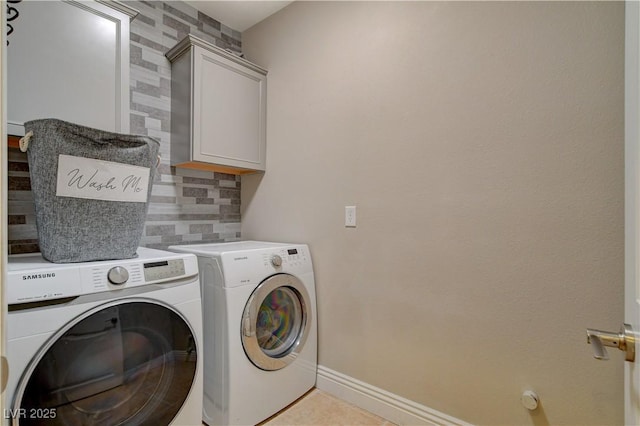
(276, 322)
(130, 362)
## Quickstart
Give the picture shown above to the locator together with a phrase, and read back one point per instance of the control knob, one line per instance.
(276, 260)
(118, 275)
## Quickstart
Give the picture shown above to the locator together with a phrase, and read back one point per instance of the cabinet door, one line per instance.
(229, 112)
(68, 60)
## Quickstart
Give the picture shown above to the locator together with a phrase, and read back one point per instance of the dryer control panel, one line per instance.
(33, 279)
(154, 271)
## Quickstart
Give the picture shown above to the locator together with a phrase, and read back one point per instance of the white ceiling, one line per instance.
(239, 14)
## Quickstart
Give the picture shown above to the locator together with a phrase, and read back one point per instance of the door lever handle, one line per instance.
(624, 340)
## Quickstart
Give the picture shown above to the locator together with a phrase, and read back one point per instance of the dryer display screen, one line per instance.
(292, 251)
(154, 264)
(154, 271)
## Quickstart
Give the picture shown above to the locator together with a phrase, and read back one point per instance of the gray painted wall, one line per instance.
(482, 143)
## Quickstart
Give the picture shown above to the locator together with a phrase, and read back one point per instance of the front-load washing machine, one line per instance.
(110, 342)
(260, 328)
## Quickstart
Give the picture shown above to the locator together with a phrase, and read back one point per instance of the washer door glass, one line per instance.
(128, 363)
(279, 321)
(276, 322)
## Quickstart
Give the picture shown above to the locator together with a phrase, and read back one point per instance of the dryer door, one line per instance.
(129, 362)
(276, 322)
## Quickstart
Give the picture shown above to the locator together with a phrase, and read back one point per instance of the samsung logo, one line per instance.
(38, 276)
(241, 258)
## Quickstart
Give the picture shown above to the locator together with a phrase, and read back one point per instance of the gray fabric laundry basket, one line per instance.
(91, 189)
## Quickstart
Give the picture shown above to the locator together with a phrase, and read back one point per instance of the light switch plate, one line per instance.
(350, 216)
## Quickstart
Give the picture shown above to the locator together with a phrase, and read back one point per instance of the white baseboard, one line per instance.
(380, 402)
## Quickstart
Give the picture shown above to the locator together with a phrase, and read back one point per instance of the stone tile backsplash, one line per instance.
(186, 206)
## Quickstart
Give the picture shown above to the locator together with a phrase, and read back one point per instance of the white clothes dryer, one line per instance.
(110, 342)
(260, 328)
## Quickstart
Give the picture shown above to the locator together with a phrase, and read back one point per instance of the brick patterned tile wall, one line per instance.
(186, 206)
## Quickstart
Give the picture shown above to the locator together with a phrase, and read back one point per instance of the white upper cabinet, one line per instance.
(69, 60)
(218, 109)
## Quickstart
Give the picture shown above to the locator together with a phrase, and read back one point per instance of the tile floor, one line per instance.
(320, 408)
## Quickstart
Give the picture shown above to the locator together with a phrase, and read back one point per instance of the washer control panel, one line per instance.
(286, 257)
(276, 260)
(154, 271)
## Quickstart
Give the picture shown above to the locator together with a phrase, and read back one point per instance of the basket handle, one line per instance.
(24, 141)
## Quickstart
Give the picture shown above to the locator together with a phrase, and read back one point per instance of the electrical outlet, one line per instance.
(350, 216)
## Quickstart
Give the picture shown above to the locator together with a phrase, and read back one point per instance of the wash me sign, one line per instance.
(88, 178)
